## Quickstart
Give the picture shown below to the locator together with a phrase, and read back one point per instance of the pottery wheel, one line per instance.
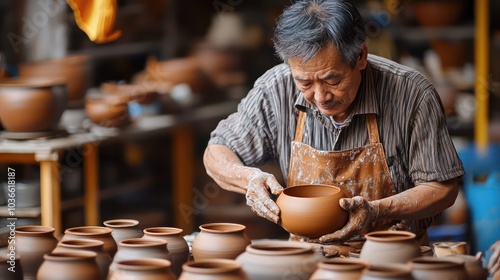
(32, 135)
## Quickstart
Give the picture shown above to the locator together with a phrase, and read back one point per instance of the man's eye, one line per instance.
(305, 85)
(332, 83)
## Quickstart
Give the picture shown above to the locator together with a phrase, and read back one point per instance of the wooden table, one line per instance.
(47, 153)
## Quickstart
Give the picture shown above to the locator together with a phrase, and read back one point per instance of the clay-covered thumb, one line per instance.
(346, 203)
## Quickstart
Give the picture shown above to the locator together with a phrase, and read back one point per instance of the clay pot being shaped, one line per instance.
(93, 232)
(438, 268)
(339, 269)
(473, 266)
(387, 272)
(312, 210)
(11, 268)
(139, 248)
(213, 269)
(278, 259)
(143, 269)
(220, 240)
(177, 246)
(32, 243)
(31, 105)
(74, 69)
(102, 258)
(385, 247)
(76, 265)
(123, 229)
(107, 111)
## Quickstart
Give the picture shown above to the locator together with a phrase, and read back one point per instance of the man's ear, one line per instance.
(363, 58)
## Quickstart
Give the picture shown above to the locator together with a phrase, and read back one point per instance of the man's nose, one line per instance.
(320, 94)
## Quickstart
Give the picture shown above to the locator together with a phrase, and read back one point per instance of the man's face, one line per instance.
(328, 82)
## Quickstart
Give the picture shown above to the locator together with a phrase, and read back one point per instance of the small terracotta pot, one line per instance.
(312, 210)
(32, 243)
(32, 104)
(123, 229)
(473, 266)
(93, 232)
(387, 272)
(177, 246)
(386, 247)
(107, 111)
(339, 269)
(220, 240)
(102, 258)
(212, 269)
(77, 265)
(438, 268)
(143, 269)
(278, 259)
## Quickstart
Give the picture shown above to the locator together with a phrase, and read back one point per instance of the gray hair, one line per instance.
(307, 26)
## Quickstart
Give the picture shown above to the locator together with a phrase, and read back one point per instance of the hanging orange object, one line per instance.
(96, 18)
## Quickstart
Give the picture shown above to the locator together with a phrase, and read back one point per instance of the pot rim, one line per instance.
(154, 231)
(287, 190)
(144, 264)
(388, 270)
(81, 243)
(121, 223)
(34, 229)
(224, 227)
(70, 256)
(278, 247)
(436, 263)
(88, 231)
(141, 242)
(211, 266)
(381, 236)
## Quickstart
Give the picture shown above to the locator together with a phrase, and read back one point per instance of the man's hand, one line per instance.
(494, 262)
(361, 214)
(258, 198)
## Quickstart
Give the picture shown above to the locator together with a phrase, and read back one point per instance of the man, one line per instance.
(333, 114)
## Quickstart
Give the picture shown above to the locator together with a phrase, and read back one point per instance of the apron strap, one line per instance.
(299, 129)
(371, 122)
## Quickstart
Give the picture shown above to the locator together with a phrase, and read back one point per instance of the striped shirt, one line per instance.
(410, 116)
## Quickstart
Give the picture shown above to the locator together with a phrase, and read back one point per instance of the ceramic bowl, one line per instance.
(312, 210)
(32, 104)
(107, 111)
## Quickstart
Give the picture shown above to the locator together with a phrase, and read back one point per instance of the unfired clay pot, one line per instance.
(213, 269)
(473, 266)
(32, 243)
(76, 265)
(11, 268)
(387, 272)
(102, 258)
(107, 111)
(339, 269)
(383, 247)
(220, 240)
(32, 105)
(312, 210)
(278, 259)
(143, 269)
(123, 229)
(93, 232)
(438, 268)
(177, 246)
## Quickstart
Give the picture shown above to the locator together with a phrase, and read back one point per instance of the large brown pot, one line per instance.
(102, 258)
(220, 240)
(32, 243)
(213, 269)
(278, 259)
(438, 268)
(311, 210)
(386, 247)
(339, 269)
(77, 265)
(31, 105)
(176, 244)
(123, 229)
(93, 232)
(143, 269)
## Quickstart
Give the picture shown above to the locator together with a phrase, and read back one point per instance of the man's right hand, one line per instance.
(258, 198)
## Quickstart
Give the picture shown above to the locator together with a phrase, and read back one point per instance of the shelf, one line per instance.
(418, 34)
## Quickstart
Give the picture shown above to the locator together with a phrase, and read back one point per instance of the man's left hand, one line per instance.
(361, 214)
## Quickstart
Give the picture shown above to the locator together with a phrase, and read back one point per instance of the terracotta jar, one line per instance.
(220, 240)
(339, 269)
(438, 268)
(388, 272)
(76, 265)
(123, 229)
(107, 111)
(311, 210)
(139, 248)
(93, 232)
(177, 246)
(102, 258)
(383, 247)
(11, 268)
(473, 266)
(213, 269)
(278, 259)
(31, 104)
(143, 269)
(32, 243)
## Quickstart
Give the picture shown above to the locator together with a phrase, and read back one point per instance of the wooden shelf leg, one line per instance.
(50, 193)
(91, 184)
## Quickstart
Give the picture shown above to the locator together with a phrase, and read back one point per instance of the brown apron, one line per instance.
(360, 171)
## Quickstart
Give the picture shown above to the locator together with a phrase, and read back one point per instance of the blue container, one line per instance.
(482, 192)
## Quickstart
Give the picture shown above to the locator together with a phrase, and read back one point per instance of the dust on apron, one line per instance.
(360, 171)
